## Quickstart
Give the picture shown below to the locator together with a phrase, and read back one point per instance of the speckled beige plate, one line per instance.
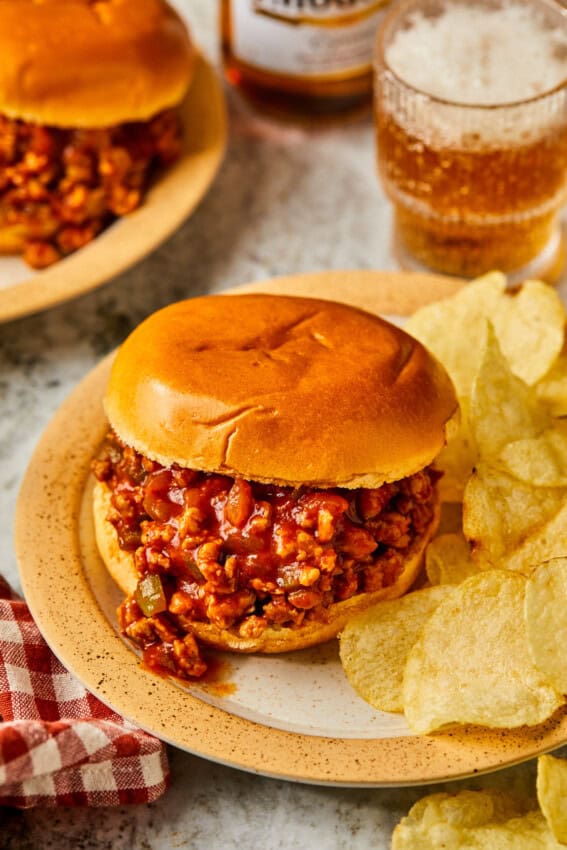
(292, 716)
(174, 195)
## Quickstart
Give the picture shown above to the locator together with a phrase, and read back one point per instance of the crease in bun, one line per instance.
(282, 390)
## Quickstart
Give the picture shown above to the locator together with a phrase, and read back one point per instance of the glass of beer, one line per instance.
(471, 118)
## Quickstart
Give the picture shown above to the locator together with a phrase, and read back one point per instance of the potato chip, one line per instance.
(457, 459)
(470, 808)
(547, 542)
(514, 512)
(540, 461)
(546, 621)
(454, 329)
(448, 560)
(475, 820)
(529, 324)
(552, 388)
(531, 329)
(375, 644)
(502, 407)
(471, 663)
(511, 524)
(552, 794)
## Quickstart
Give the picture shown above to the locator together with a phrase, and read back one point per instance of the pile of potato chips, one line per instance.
(484, 642)
(491, 819)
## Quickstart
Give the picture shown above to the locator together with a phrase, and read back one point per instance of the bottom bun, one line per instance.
(120, 564)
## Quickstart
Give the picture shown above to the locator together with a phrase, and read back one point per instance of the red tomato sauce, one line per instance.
(247, 556)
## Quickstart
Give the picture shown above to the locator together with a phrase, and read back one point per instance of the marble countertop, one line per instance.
(287, 199)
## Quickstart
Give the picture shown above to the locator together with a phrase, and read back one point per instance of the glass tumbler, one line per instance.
(471, 124)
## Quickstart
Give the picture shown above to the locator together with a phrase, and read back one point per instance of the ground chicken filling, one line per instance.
(60, 187)
(245, 556)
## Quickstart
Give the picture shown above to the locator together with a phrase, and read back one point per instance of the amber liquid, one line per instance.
(472, 144)
(466, 211)
(290, 94)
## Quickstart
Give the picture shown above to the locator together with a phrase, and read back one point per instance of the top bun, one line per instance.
(280, 389)
(81, 63)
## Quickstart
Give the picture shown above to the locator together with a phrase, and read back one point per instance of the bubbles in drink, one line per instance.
(478, 175)
(480, 52)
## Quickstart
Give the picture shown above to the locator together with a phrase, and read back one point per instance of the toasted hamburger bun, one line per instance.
(279, 389)
(74, 63)
(284, 390)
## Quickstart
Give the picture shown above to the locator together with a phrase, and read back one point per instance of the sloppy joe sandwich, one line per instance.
(267, 473)
(89, 91)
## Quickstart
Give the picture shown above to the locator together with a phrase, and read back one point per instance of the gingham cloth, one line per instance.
(59, 745)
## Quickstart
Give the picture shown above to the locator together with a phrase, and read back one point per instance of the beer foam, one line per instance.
(475, 54)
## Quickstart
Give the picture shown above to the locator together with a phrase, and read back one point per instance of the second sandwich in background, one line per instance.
(88, 109)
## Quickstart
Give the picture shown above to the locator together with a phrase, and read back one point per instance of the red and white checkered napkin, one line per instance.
(59, 745)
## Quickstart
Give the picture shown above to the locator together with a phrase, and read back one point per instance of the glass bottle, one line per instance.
(306, 55)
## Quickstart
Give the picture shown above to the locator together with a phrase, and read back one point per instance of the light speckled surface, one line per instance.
(286, 200)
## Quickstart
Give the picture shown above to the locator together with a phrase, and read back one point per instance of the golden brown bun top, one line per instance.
(282, 389)
(75, 63)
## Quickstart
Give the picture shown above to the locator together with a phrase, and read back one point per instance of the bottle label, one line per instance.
(320, 39)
